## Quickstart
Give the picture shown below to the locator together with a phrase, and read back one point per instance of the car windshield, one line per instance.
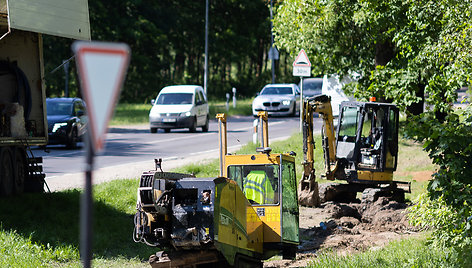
(313, 85)
(175, 98)
(58, 108)
(277, 91)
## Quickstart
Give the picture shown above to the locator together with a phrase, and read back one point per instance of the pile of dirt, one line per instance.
(347, 228)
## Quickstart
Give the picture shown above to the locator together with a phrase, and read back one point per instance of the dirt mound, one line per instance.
(348, 228)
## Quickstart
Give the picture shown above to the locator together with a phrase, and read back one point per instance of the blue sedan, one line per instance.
(67, 121)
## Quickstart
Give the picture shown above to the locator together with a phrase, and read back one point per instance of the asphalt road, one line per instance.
(132, 149)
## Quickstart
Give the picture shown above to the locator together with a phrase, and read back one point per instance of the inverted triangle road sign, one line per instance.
(102, 68)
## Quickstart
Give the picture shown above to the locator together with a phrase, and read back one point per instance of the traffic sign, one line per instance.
(302, 65)
(302, 60)
(273, 53)
(102, 68)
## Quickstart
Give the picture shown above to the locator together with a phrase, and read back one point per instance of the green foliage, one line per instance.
(451, 228)
(167, 41)
(400, 49)
(448, 205)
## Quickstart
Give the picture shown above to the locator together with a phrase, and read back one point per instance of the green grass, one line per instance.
(413, 252)
(243, 107)
(42, 230)
(131, 114)
(135, 114)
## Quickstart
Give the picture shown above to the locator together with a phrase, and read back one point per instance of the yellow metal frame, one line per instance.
(365, 175)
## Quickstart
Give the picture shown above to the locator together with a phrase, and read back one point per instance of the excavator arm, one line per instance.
(308, 187)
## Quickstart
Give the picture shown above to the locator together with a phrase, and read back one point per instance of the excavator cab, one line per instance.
(367, 140)
(268, 181)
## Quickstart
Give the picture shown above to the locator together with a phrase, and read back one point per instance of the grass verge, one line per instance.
(413, 252)
(42, 230)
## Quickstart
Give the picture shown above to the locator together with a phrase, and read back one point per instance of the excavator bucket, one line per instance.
(308, 195)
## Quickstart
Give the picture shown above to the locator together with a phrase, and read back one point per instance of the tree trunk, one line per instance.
(383, 53)
(418, 107)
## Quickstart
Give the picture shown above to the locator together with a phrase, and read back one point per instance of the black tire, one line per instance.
(20, 170)
(289, 252)
(193, 127)
(247, 262)
(294, 111)
(72, 139)
(167, 130)
(6, 172)
(153, 130)
(207, 125)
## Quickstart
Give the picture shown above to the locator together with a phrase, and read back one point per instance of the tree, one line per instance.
(403, 50)
(167, 45)
(395, 45)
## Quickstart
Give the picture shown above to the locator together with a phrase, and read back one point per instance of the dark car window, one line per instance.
(58, 108)
(175, 98)
(277, 91)
(313, 85)
(198, 98)
(200, 94)
(78, 106)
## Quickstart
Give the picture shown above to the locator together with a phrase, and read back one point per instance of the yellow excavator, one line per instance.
(362, 150)
(247, 214)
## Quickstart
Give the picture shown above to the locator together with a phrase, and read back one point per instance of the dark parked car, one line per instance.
(312, 86)
(67, 121)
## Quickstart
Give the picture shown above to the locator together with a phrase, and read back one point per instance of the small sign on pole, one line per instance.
(101, 68)
(302, 68)
(302, 65)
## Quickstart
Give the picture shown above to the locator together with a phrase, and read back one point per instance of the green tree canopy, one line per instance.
(167, 41)
(402, 49)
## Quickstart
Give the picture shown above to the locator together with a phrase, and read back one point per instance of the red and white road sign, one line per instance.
(102, 69)
(302, 65)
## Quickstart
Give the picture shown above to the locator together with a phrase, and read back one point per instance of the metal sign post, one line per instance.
(301, 68)
(101, 68)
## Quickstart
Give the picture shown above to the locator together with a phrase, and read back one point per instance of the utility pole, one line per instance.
(205, 75)
(271, 51)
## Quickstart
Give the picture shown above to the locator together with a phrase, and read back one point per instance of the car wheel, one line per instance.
(193, 127)
(153, 130)
(6, 172)
(72, 141)
(167, 130)
(294, 110)
(206, 126)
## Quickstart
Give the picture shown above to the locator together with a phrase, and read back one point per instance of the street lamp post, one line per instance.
(205, 75)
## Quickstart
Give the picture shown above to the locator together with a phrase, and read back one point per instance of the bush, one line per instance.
(448, 204)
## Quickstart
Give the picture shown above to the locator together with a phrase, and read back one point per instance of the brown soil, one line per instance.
(347, 228)
(417, 175)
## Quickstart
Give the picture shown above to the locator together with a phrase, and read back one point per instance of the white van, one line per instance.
(334, 88)
(181, 106)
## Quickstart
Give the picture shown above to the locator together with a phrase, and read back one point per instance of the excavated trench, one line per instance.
(346, 228)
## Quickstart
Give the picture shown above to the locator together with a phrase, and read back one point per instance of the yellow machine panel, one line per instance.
(238, 227)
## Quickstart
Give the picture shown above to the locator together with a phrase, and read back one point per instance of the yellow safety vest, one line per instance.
(257, 187)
